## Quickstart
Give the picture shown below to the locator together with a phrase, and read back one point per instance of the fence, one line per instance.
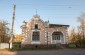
(4, 45)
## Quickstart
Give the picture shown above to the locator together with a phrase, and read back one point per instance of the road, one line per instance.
(48, 52)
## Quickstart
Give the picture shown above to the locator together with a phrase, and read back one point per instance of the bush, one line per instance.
(83, 46)
(72, 46)
(16, 47)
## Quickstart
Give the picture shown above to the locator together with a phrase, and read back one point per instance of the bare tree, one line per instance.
(3, 31)
(81, 19)
(73, 36)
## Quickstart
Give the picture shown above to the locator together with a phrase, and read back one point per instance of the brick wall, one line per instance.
(43, 32)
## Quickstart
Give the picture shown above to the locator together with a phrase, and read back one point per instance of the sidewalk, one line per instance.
(33, 52)
(7, 52)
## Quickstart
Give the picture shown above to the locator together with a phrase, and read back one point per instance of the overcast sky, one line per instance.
(56, 11)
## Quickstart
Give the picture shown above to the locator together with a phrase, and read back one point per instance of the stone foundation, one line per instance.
(43, 46)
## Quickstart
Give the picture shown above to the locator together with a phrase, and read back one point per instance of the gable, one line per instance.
(36, 20)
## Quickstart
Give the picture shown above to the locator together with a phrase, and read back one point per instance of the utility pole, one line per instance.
(12, 29)
(13, 19)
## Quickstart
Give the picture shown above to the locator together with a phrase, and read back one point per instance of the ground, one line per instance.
(45, 52)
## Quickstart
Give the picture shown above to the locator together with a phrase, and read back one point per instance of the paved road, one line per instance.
(49, 52)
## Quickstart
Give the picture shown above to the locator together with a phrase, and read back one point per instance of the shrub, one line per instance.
(83, 46)
(15, 47)
(72, 46)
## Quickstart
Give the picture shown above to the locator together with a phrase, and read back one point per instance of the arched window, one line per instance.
(35, 36)
(56, 35)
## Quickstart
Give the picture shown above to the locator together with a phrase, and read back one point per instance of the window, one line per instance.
(56, 37)
(36, 26)
(35, 36)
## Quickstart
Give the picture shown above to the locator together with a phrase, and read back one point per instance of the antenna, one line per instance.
(36, 11)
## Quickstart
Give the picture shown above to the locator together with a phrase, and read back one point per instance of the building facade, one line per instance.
(36, 31)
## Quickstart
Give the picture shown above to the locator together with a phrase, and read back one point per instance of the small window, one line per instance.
(36, 26)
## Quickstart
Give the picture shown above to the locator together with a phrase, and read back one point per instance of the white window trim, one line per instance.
(60, 40)
(36, 23)
(31, 37)
(35, 42)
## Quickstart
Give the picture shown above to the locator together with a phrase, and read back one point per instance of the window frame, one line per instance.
(36, 26)
(36, 37)
(56, 37)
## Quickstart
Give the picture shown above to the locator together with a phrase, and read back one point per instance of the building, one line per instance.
(36, 31)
